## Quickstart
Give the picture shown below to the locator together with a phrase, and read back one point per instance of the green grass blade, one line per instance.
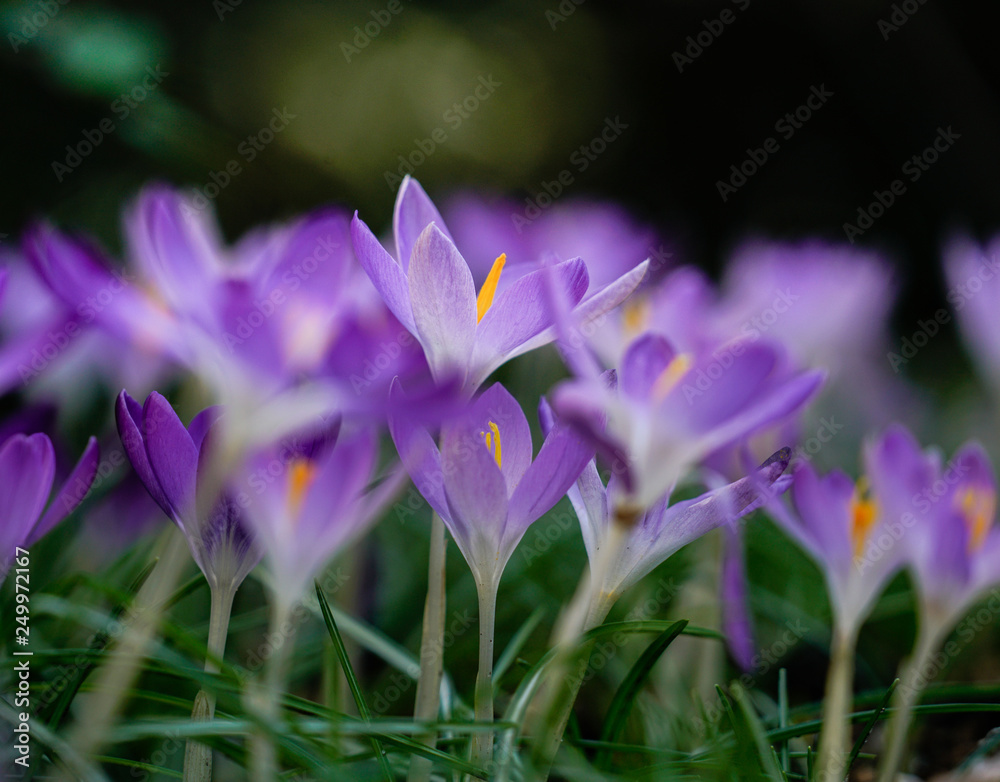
(352, 679)
(628, 690)
(510, 653)
(870, 725)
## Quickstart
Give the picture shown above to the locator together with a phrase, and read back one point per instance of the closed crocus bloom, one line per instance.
(28, 466)
(171, 459)
(430, 289)
(668, 410)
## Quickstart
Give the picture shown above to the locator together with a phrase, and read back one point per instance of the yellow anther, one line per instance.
(671, 376)
(864, 513)
(489, 289)
(635, 316)
(301, 473)
(493, 437)
(978, 506)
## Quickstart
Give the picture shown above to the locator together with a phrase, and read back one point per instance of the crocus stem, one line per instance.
(911, 681)
(263, 754)
(837, 701)
(482, 743)
(198, 756)
(431, 649)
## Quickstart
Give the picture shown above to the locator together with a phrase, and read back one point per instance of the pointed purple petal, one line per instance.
(172, 454)
(413, 212)
(444, 301)
(386, 275)
(737, 621)
(129, 418)
(419, 455)
(202, 422)
(496, 405)
(643, 364)
(72, 492)
(521, 313)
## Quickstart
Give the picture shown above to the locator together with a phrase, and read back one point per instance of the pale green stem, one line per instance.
(198, 756)
(482, 742)
(837, 702)
(263, 751)
(911, 682)
(428, 696)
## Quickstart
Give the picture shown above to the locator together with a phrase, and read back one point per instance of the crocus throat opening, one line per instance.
(301, 473)
(978, 506)
(635, 316)
(864, 512)
(491, 437)
(671, 376)
(485, 299)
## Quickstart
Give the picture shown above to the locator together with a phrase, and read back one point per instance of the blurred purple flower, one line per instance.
(609, 240)
(973, 274)
(668, 410)
(28, 465)
(430, 289)
(311, 497)
(483, 481)
(172, 462)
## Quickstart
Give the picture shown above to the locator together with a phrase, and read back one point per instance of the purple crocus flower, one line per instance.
(483, 481)
(308, 498)
(430, 289)
(669, 410)
(172, 461)
(28, 466)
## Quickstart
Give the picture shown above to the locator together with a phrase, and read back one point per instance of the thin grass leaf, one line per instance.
(628, 690)
(870, 725)
(352, 679)
(509, 654)
(783, 717)
(167, 772)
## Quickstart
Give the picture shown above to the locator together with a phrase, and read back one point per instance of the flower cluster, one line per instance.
(308, 344)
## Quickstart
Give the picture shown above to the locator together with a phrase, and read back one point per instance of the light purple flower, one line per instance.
(669, 410)
(173, 461)
(28, 466)
(430, 289)
(483, 481)
(309, 498)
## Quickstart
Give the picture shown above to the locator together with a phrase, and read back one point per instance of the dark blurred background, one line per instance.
(364, 97)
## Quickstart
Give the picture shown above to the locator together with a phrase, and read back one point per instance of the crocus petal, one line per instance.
(521, 313)
(590, 502)
(413, 212)
(172, 454)
(419, 455)
(28, 464)
(559, 463)
(443, 298)
(644, 364)
(477, 496)
(72, 492)
(338, 484)
(128, 416)
(386, 275)
(496, 407)
(824, 507)
(737, 622)
(202, 422)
